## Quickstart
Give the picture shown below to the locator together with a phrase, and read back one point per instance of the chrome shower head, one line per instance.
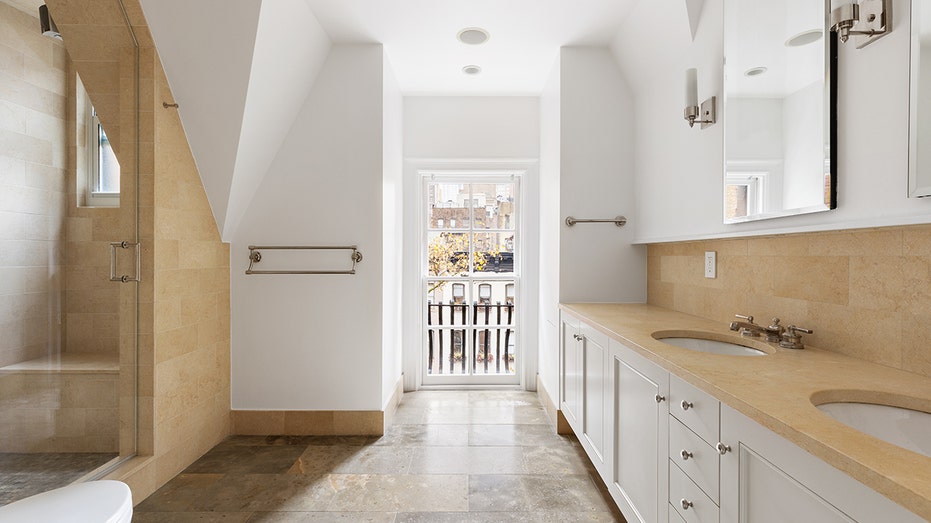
(47, 24)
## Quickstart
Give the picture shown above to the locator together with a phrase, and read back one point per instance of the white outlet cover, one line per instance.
(711, 264)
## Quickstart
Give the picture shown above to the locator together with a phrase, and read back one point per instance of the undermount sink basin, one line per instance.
(706, 342)
(903, 427)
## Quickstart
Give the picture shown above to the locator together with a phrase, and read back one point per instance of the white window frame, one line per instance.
(91, 178)
(472, 380)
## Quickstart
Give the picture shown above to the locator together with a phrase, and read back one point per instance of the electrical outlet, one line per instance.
(711, 264)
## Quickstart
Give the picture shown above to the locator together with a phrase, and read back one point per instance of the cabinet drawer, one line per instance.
(695, 457)
(683, 491)
(695, 409)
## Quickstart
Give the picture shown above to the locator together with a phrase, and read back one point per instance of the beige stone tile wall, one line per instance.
(190, 303)
(866, 293)
(58, 412)
(33, 160)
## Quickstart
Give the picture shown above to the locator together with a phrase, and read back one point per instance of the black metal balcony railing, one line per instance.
(492, 337)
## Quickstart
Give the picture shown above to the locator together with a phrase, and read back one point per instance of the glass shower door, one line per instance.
(68, 334)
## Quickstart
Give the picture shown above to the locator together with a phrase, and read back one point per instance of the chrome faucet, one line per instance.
(787, 337)
(773, 333)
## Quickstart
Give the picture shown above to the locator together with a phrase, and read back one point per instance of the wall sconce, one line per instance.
(705, 115)
(869, 20)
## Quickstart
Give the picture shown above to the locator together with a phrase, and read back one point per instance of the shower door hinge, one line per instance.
(125, 277)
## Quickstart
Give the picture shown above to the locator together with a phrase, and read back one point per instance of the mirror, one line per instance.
(919, 132)
(779, 109)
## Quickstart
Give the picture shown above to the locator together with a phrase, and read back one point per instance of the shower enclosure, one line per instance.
(68, 245)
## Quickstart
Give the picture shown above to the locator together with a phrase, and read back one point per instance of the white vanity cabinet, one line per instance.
(765, 478)
(640, 420)
(585, 387)
(669, 451)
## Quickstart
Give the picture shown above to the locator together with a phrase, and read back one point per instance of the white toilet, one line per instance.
(91, 502)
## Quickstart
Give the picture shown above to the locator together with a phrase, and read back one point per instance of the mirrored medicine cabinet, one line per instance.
(779, 109)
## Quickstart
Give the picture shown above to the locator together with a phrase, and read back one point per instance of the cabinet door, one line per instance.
(594, 379)
(571, 373)
(641, 427)
(765, 478)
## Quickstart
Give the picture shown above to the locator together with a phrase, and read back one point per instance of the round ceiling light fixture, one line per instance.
(473, 36)
(472, 70)
(804, 38)
(755, 71)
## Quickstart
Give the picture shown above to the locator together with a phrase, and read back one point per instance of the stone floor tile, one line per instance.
(403, 435)
(179, 494)
(468, 460)
(410, 415)
(323, 517)
(191, 517)
(247, 460)
(508, 415)
(561, 459)
(470, 457)
(508, 517)
(392, 493)
(501, 493)
(520, 435)
(377, 460)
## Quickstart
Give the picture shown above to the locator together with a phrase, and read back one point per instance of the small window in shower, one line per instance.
(100, 184)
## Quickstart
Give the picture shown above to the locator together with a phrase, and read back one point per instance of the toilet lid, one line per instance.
(92, 502)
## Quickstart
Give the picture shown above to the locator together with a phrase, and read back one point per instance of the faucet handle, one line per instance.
(791, 339)
(748, 317)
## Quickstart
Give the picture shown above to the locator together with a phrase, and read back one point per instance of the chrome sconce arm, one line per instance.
(867, 19)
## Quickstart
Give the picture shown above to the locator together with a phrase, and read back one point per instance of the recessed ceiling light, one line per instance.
(804, 38)
(755, 71)
(471, 69)
(473, 36)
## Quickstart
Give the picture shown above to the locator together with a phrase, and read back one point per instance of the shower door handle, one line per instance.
(123, 245)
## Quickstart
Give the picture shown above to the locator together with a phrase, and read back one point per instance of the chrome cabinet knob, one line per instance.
(577, 337)
(722, 448)
(659, 398)
(686, 504)
(686, 455)
(686, 405)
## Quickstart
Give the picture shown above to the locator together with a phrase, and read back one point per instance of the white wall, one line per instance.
(393, 205)
(314, 342)
(549, 232)
(477, 133)
(679, 169)
(597, 262)
(285, 64)
(238, 73)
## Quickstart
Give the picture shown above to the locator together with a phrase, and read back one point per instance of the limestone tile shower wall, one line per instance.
(55, 301)
(866, 293)
(33, 162)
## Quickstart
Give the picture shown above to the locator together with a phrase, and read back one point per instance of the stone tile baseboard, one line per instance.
(308, 422)
(553, 414)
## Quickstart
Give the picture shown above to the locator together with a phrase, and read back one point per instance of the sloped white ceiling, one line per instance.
(239, 71)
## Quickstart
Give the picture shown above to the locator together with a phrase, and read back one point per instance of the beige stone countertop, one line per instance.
(777, 391)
